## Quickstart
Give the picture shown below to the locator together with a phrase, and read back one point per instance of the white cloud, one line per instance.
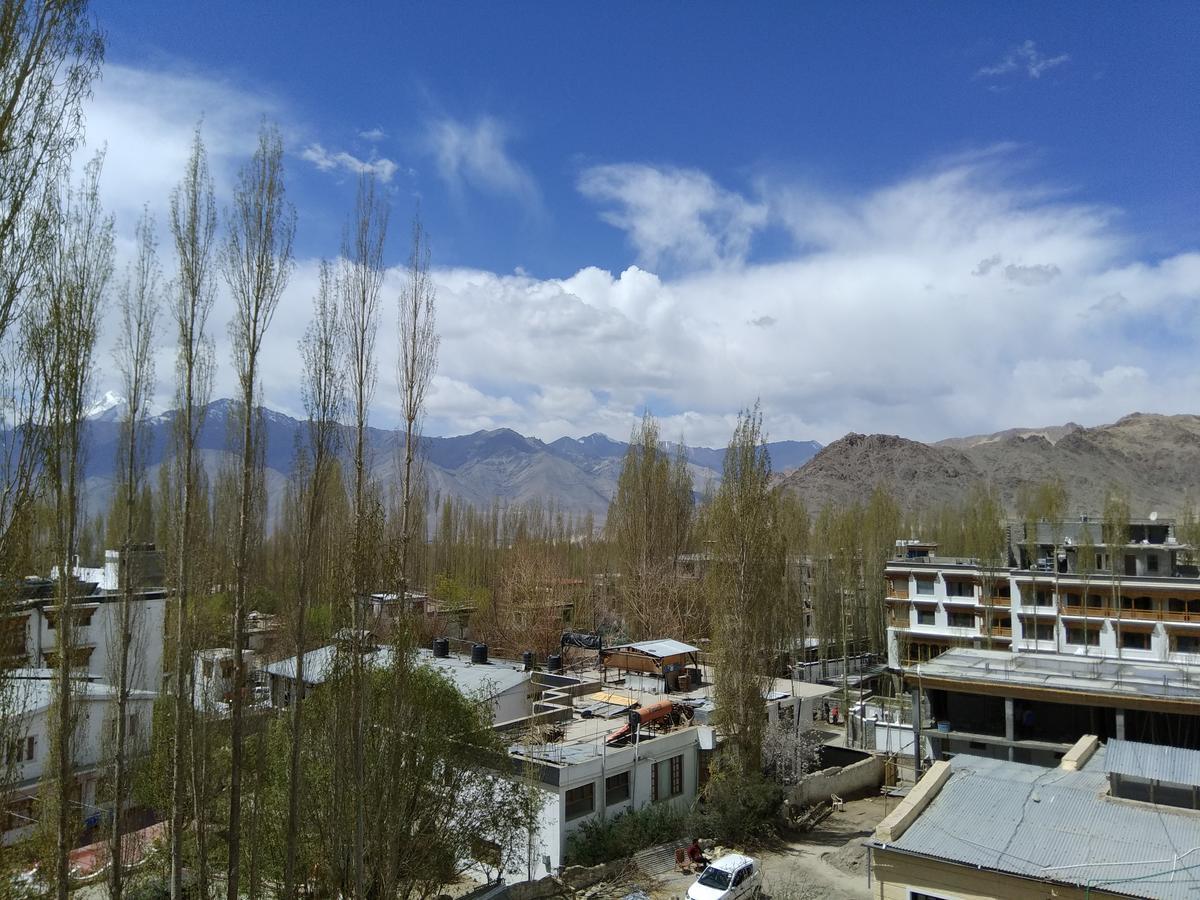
(476, 155)
(374, 135)
(328, 161)
(675, 217)
(1024, 59)
(954, 301)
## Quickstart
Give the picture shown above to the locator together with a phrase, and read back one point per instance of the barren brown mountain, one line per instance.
(1156, 458)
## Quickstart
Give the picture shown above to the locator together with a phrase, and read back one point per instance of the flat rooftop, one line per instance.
(602, 712)
(1059, 826)
(489, 679)
(1061, 672)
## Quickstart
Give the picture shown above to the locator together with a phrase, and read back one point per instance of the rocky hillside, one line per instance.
(1155, 457)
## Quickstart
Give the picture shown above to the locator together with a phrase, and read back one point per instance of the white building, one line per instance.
(1138, 599)
(28, 749)
(600, 766)
(503, 685)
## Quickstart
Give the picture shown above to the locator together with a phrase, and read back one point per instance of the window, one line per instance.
(1070, 599)
(1083, 636)
(1095, 601)
(962, 620)
(741, 875)
(1151, 562)
(616, 788)
(20, 814)
(925, 587)
(958, 588)
(1041, 631)
(666, 778)
(1135, 640)
(1185, 643)
(21, 750)
(1043, 598)
(581, 800)
(925, 617)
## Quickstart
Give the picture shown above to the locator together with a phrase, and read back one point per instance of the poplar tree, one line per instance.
(649, 522)
(139, 317)
(322, 393)
(73, 288)
(50, 53)
(360, 283)
(419, 342)
(257, 263)
(193, 222)
(752, 622)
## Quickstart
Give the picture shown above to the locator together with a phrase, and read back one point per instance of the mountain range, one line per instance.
(579, 475)
(1155, 458)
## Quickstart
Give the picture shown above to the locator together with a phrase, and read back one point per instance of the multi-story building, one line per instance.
(1065, 635)
(1060, 591)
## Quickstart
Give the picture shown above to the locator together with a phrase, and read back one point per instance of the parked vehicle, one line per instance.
(732, 877)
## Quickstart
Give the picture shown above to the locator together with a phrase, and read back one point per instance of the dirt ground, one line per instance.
(827, 863)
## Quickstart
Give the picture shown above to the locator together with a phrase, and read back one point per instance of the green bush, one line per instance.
(739, 809)
(603, 840)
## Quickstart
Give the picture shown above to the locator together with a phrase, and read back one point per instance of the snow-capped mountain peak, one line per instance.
(107, 408)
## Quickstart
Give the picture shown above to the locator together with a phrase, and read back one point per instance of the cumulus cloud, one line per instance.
(675, 217)
(1024, 59)
(328, 161)
(895, 309)
(476, 155)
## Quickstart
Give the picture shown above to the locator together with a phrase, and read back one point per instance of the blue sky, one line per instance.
(929, 219)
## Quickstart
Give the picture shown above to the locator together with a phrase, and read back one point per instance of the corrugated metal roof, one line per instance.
(1170, 764)
(659, 648)
(1058, 825)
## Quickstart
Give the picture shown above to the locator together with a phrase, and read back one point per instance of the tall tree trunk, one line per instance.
(193, 226)
(360, 284)
(258, 263)
(139, 311)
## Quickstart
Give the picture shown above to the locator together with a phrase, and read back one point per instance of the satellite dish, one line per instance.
(1154, 516)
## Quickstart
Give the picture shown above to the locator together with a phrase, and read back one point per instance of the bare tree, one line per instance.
(257, 263)
(139, 319)
(74, 284)
(360, 284)
(193, 229)
(323, 396)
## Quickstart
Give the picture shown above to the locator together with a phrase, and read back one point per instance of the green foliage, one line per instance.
(603, 840)
(649, 522)
(752, 620)
(740, 808)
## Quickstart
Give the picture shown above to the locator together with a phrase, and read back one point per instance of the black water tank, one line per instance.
(479, 653)
(554, 662)
(527, 660)
(441, 647)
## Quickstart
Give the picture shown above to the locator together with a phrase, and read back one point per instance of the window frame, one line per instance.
(570, 813)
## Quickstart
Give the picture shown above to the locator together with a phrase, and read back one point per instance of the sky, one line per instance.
(924, 219)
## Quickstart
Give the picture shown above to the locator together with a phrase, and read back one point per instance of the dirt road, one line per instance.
(828, 863)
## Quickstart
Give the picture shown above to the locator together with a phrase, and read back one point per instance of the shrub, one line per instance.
(603, 840)
(739, 808)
